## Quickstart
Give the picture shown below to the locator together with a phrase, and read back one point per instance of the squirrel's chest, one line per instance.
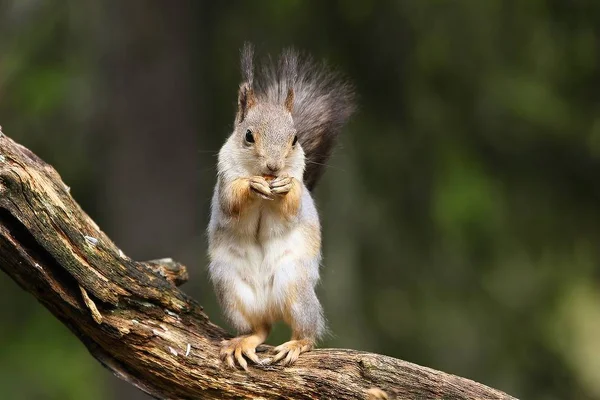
(262, 224)
(264, 239)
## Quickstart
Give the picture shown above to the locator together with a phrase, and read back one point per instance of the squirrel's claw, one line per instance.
(235, 349)
(226, 355)
(290, 351)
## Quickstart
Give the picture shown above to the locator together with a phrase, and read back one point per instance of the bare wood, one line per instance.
(138, 324)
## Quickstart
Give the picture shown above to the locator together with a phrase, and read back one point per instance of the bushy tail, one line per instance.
(323, 101)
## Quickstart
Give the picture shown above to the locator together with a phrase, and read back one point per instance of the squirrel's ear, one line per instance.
(246, 100)
(289, 100)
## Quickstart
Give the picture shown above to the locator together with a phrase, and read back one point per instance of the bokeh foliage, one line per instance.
(461, 212)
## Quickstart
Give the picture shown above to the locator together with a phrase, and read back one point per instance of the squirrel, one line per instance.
(264, 232)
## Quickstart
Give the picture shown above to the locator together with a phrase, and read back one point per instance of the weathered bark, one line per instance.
(138, 324)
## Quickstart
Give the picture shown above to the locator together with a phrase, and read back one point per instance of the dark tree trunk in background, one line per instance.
(147, 88)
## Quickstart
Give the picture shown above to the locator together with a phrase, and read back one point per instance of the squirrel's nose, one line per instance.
(273, 167)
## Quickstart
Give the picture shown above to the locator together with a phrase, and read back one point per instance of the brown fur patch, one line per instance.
(290, 203)
(258, 322)
(289, 100)
(313, 239)
(234, 196)
(246, 100)
(290, 299)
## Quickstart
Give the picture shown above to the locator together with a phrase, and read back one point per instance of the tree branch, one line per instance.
(138, 324)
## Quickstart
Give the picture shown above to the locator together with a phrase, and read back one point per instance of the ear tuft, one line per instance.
(289, 100)
(246, 100)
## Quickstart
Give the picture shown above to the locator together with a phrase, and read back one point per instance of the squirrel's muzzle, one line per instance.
(273, 167)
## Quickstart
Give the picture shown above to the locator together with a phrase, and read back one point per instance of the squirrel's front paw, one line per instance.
(290, 350)
(282, 184)
(260, 187)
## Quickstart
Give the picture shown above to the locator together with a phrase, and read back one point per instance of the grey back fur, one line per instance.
(323, 101)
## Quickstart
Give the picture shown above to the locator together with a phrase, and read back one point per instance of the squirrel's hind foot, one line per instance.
(236, 349)
(289, 351)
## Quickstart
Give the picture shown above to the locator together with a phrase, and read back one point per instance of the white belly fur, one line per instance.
(259, 263)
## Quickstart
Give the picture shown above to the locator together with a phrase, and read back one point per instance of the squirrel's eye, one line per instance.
(249, 136)
(295, 140)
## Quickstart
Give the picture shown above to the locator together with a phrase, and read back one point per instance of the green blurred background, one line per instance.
(461, 211)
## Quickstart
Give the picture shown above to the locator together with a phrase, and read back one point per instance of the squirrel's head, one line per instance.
(265, 136)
